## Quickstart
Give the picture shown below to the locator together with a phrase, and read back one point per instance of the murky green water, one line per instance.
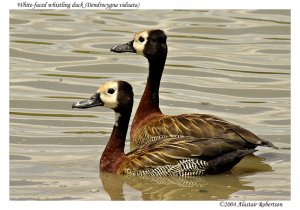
(231, 63)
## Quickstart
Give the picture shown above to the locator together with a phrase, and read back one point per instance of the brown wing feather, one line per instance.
(198, 126)
(168, 151)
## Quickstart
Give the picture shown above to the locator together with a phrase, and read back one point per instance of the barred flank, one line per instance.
(184, 168)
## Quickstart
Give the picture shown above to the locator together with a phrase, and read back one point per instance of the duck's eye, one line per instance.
(110, 91)
(141, 39)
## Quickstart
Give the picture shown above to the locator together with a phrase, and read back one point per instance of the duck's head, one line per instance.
(116, 95)
(149, 43)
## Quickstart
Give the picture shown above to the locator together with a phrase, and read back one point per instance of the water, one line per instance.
(231, 63)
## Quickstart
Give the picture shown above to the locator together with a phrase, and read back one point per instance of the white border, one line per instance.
(148, 4)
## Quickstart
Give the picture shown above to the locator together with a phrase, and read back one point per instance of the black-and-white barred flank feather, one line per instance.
(186, 167)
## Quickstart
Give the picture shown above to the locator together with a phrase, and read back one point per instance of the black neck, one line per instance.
(121, 124)
(156, 68)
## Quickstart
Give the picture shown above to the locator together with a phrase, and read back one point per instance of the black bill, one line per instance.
(123, 48)
(93, 101)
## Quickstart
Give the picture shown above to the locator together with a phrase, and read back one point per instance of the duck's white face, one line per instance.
(109, 94)
(139, 41)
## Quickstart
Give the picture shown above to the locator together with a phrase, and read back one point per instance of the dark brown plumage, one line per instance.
(171, 156)
(150, 124)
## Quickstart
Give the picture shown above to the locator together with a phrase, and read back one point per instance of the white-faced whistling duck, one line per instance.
(150, 124)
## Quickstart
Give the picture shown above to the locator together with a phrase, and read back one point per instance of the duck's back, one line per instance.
(194, 125)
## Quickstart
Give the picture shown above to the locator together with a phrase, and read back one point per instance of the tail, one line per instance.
(227, 161)
(261, 142)
(268, 144)
(251, 139)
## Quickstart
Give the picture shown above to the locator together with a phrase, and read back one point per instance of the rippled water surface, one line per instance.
(230, 63)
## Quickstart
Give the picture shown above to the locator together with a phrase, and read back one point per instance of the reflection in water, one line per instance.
(211, 187)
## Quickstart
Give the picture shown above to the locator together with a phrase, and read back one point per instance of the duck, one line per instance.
(170, 156)
(150, 124)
